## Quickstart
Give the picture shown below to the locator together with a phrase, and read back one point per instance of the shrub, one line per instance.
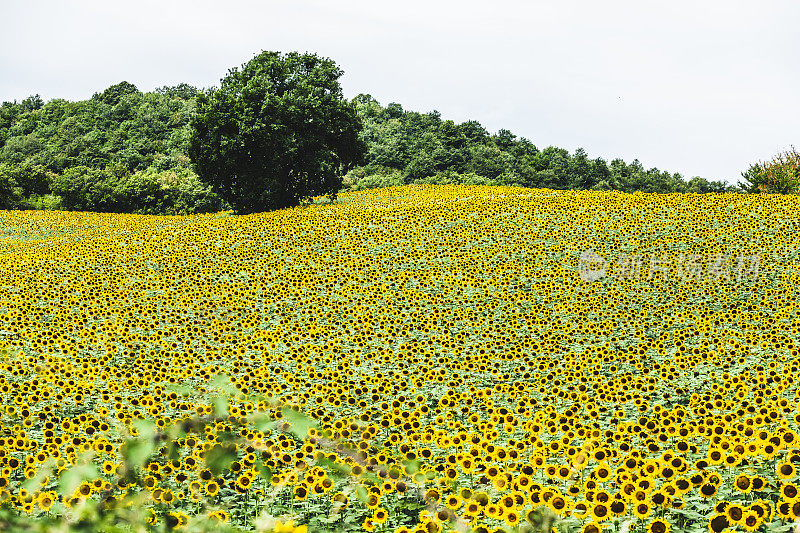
(781, 175)
(148, 192)
(45, 202)
(373, 177)
(85, 189)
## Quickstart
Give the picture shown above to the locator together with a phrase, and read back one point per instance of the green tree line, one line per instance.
(120, 151)
(407, 147)
(124, 150)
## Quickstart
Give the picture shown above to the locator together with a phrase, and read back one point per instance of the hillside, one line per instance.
(442, 355)
(124, 150)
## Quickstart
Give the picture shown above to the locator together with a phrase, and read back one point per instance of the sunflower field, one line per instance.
(422, 358)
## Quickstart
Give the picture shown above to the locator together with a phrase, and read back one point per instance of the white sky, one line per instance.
(702, 87)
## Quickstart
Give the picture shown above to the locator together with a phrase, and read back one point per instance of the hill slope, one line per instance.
(442, 339)
(125, 151)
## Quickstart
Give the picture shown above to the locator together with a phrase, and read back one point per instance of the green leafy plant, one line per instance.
(780, 175)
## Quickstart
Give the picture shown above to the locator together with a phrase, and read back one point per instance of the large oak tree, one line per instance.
(276, 132)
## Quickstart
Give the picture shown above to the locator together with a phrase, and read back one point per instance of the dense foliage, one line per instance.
(122, 150)
(131, 150)
(780, 175)
(119, 125)
(276, 133)
(438, 358)
(410, 147)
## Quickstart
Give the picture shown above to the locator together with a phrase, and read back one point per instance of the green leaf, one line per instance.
(689, 513)
(72, 477)
(219, 458)
(262, 422)
(33, 484)
(136, 451)
(412, 467)
(335, 469)
(145, 429)
(264, 471)
(299, 424)
(182, 390)
(220, 406)
(361, 493)
(223, 383)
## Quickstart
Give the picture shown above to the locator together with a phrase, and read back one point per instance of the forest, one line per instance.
(124, 150)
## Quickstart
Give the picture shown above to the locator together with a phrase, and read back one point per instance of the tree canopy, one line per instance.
(408, 146)
(276, 132)
(127, 150)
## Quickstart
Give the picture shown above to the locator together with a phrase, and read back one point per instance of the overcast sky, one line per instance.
(699, 87)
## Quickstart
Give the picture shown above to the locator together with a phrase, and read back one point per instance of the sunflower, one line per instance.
(212, 488)
(735, 514)
(784, 510)
(557, 504)
(789, 437)
(512, 518)
(661, 497)
(289, 527)
(786, 471)
(715, 457)
(743, 483)
(789, 491)
(600, 512)
(764, 508)
(642, 510)
(618, 507)
(109, 467)
(472, 508)
(340, 499)
(718, 523)
(167, 497)
(603, 472)
(432, 496)
(646, 484)
(708, 490)
(380, 515)
(494, 511)
(681, 485)
(442, 514)
(46, 500)
(481, 498)
(658, 526)
(220, 516)
(796, 508)
(300, 492)
(175, 519)
(84, 490)
(373, 500)
(500, 483)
